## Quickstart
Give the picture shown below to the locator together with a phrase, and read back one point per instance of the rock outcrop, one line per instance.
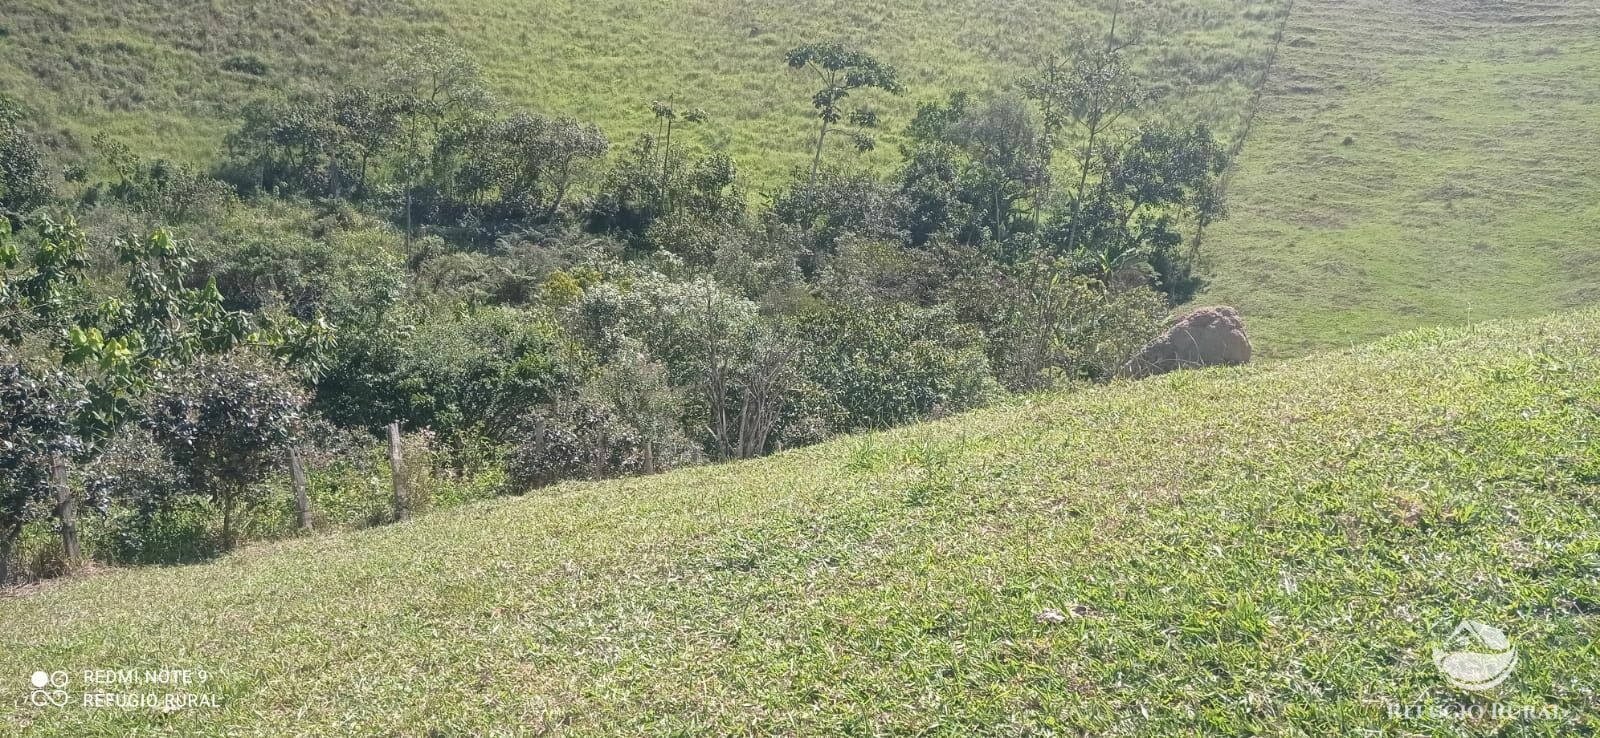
(1209, 336)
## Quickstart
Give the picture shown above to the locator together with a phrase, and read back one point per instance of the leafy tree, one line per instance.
(819, 216)
(634, 197)
(138, 493)
(890, 364)
(637, 390)
(444, 104)
(842, 71)
(1088, 96)
(160, 191)
(970, 167)
(666, 117)
(1146, 186)
(467, 375)
(24, 184)
(731, 366)
(350, 273)
(225, 422)
(441, 80)
(36, 411)
(283, 144)
(535, 159)
(1045, 325)
(106, 355)
(367, 127)
(572, 439)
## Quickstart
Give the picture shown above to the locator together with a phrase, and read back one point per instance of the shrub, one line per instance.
(144, 516)
(245, 64)
(225, 422)
(35, 425)
(23, 181)
(889, 364)
(573, 439)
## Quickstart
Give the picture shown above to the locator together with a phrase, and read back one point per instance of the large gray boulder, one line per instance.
(1209, 336)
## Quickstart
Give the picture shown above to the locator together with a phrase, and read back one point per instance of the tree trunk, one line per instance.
(666, 158)
(816, 159)
(1094, 129)
(561, 196)
(397, 469)
(649, 457)
(66, 509)
(302, 502)
(999, 220)
(8, 544)
(227, 519)
(1083, 181)
(408, 220)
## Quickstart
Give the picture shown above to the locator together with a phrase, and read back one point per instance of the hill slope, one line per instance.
(159, 73)
(1416, 163)
(1465, 190)
(1264, 550)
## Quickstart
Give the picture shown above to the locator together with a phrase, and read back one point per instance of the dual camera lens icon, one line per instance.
(49, 690)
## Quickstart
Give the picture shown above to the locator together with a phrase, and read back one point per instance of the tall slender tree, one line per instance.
(842, 71)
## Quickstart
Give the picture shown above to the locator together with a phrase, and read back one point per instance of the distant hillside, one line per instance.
(1417, 163)
(1254, 551)
(169, 77)
(1412, 163)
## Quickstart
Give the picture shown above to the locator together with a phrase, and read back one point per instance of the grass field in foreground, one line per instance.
(1224, 552)
(1416, 163)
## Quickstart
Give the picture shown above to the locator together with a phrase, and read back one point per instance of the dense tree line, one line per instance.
(532, 302)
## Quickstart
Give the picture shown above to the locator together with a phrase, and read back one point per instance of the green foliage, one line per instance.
(573, 439)
(886, 365)
(636, 310)
(160, 192)
(99, 360)
(24, 184)
(533, 161)
(465, 375)
(225, 421)
(349, 273)
(817, 215)
(842, 71)
(36, 411)
(970, 167)
(145, 513)
(158, 79)
(1145, 189)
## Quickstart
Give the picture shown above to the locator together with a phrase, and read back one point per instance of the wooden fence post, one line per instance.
(397, 468)
(66, 508)
(302, 502)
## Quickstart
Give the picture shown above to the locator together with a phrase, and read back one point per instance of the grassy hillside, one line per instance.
(1411, 164)
(1242, 551)
(156, 72)
(1416, 163)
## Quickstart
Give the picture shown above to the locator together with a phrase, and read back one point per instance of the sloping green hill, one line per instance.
(1416, 163)
(164, 75)
(1242, 551)
(1411, 164)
